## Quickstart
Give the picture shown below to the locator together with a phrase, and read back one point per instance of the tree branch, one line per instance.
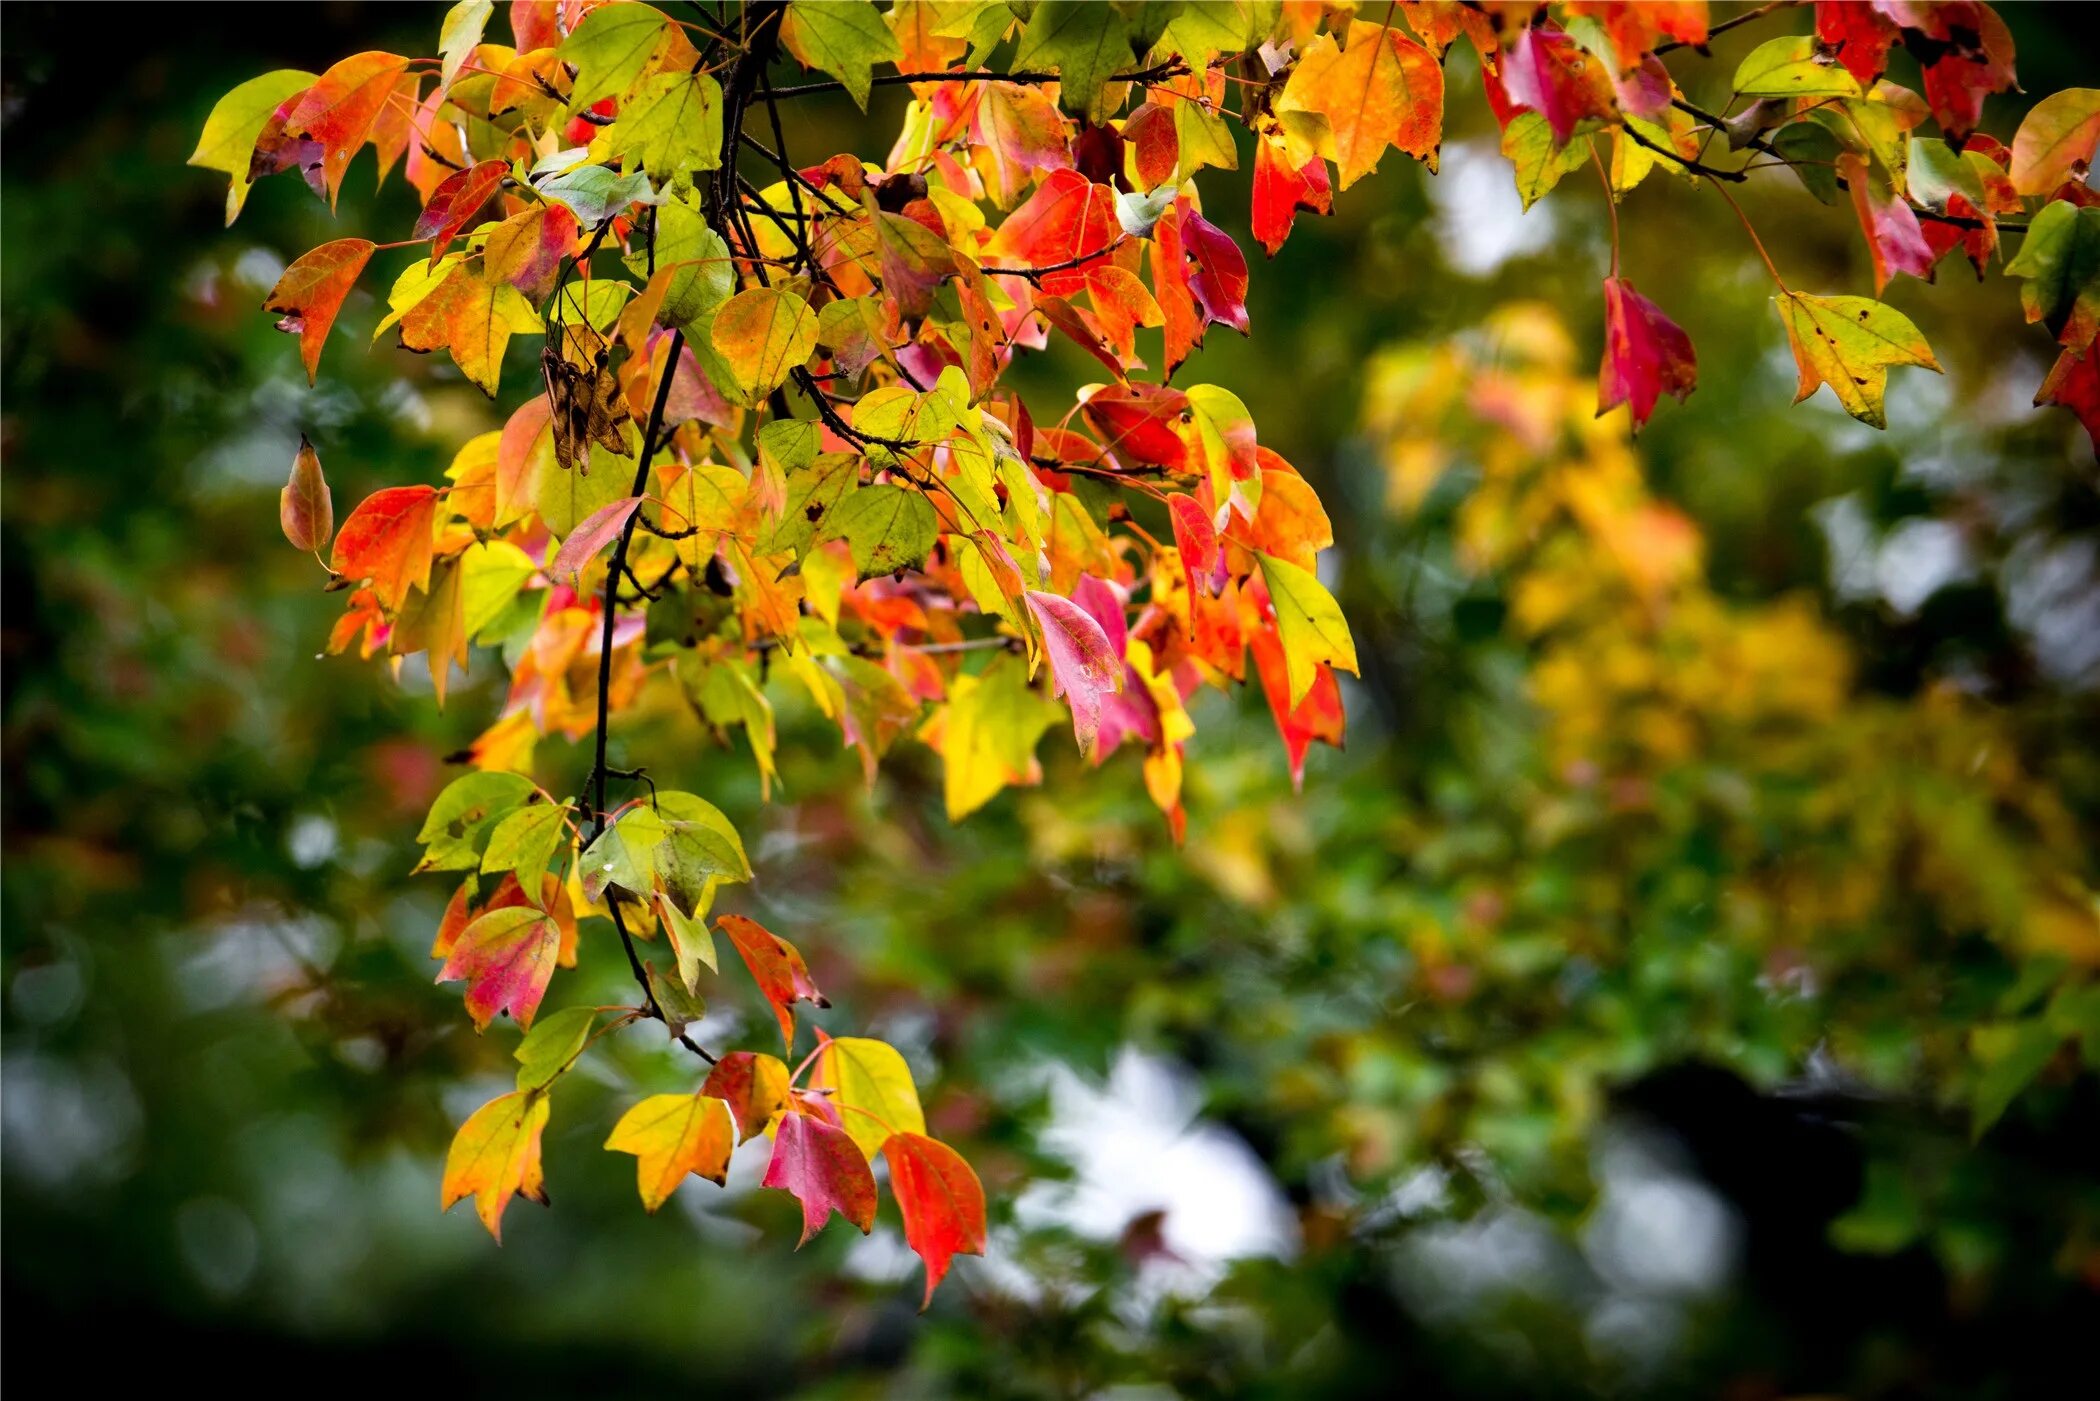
(1172, 68)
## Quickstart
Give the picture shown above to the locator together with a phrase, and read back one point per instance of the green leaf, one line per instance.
(812, 494)
(681, 845)
(2059, 260)
(762, 335)
(1087, 43)
(1814, 149)
(845, 38)
(610, 49)
(236, 120)
(1937, 172)
(567, 497)
(594, 193)
(1792, 66)
(670, 126)
(526, 841)
(460, 32)
(888, 528)
(1309, 624)
(466, 815)
(705, 278)
(1540, 162)
(1849, 343)
(2013, 1053)
(491, 575)
(551, 1045)
(679, 1003)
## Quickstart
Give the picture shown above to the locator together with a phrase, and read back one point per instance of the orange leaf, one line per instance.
(304, 507)
(507, 956)
(776, 966)
(456, 201)
(672, 1136)
(312, 290)
(754, 1086)
(340, 109)
(387, 540)
(942, 1202)
(495, 1156)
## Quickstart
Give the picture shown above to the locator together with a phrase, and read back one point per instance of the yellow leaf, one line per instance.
(496, 1155)
(872, 1087)
(1849, 343)
(672, 1135)
(1309, 623)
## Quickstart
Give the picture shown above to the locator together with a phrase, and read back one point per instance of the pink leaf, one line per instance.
(593, 535)
(1646, 354)
(1082, 666)
(1220, 277)
(819, 1164)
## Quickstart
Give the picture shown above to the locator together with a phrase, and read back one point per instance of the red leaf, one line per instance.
(776, 966)
(1889, 223)
(1170, 283)
(941, 1199)
(1082, 666)
(1194, 535)
(1155, 145)
(593, 534)
(305, 507)
(1141, 424)
(1646, 354)
(312, 290)
(507, 956)
(1067, 218)
(1552, 75)
(534, 23)
(2074, 384)
(820, 1165)
(388, 541)
(456, 201)
(1316, 717)
(1220, 277)
(1280, 192)
(1861, 34)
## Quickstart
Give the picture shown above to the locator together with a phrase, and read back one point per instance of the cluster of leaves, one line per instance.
(772, 425)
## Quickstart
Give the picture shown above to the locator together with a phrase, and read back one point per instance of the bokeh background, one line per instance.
(1681, 985)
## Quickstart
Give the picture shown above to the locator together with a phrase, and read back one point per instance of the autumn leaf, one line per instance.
(941, 1200)
(1793, 66)
(670, 125)
(339, 109)
(1018, 132)
(551, 1047)
(846, 41)
(871, 1086)
(305, 508)
(1088, 44)
(987, 735)
(776, 966)
(1849, 343)
(1082, 667)
(610, 48)
(1309, 624)
(753, 1085)
(312, 291)
(2059, 268)
(1547, 72)
(824, 1170)
(387, 542)
(1282, 189)
(2055, 142)
(1646, 354)
(471, 319)
(672, 1136)
(888, 528)
(495, 1156)
(1894, 240)
(456, 201)
(1383, 91)
(506, 957)
(1067, 219)
(2073, 383)
(584, 542)
(761, 336)
(227, 143)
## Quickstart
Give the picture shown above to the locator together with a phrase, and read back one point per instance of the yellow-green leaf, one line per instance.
(236, 120)
(872, 1087)
(1849, 343)
(1309, 624)
(672, 1136)
(761, 336)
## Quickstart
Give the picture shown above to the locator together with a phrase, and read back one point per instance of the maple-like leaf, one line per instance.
(673, 1136)
(1849, 343)
(495, 1156)
(1894, 240)
(1067, 219)
(312, 290)
(776, 966)
(2073, 383)
(1082, 667)
(2056, 141)
(471, 319)
(227, 143)
(1218, 275)
(610, 48)
(1194, 535)
(941, 1200)
(1088, 44)
(1793, 66)
(2059, 268)
(546, 1052)
(1860, 35)
(456, 201)
(587, 539)
(987, 735)
(824, 1170)
(844, 40)
(1646, 354)
(761, 336)
(305, 508)
(1309, 624)
(339, 109)
(1281, 190)
(1143, 425)
(387, 542)
(870, 1086)
(1383, 90)
(753, 1085)
(1547, 72)
(507, 957)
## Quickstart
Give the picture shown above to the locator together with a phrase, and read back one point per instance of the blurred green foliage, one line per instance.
(1712, 853)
